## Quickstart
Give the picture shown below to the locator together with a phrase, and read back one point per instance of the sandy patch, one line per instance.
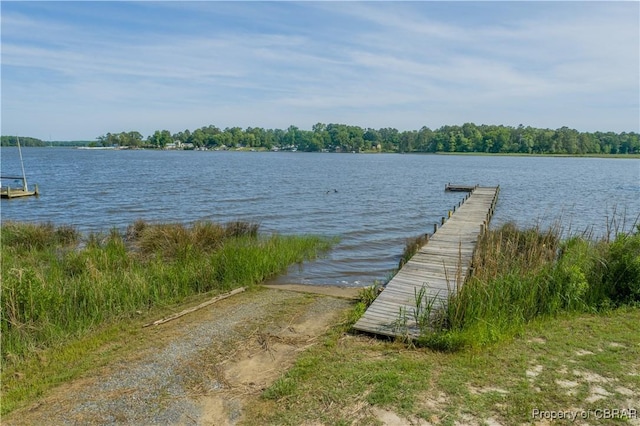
(436, 405)
(583, 352)
(569, 385)
(326, 290)
(566, 384)
(625, 391)
(591, 377)
(597, 393)
(466, 420)
(538, 340)
(534, 371)
(389, 418)
(477, 391)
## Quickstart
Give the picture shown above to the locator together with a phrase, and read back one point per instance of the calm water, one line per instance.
(372, 202)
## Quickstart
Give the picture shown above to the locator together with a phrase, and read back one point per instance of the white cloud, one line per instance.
(381, 64)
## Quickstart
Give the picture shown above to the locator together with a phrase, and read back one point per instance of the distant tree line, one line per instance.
(27, 141)
(345, 138)
(24, 141)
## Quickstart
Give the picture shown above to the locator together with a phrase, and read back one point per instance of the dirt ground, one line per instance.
(202, 368)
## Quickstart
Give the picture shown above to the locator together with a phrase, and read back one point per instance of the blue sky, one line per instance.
(77, 70)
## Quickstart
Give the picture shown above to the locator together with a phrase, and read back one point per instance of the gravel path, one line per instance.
(167, 384)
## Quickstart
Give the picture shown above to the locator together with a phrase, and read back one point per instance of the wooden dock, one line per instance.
(439, 267)
(24, 191)
(7, 192)
(459, 188)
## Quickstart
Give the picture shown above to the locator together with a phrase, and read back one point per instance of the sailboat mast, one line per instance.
(24, 175)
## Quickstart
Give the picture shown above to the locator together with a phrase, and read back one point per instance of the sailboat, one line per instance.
(8, 192)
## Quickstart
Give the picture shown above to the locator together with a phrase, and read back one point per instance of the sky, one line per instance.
(77, 70)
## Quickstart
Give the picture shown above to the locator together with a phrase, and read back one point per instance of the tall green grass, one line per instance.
(57, 285)
(520, 275)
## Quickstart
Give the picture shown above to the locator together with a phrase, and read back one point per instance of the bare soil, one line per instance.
(203, 368)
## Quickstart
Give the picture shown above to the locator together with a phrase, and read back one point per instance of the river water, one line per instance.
(372, 202)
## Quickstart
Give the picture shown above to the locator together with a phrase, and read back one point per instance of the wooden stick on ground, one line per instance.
(195, 308)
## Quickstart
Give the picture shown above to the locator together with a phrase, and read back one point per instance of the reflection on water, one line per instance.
(372, 202)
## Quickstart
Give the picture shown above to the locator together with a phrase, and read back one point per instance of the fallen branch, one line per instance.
(195, 308)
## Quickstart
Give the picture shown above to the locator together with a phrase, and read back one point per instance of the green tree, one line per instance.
(407, 141)
(390, 139)
(160, 139)
(372, 139)
(356, 140)
(567, 140)
(424, 140)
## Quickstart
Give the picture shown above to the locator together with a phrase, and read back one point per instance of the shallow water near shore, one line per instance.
(372, 202)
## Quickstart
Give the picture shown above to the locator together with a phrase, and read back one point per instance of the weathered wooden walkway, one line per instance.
(440, 266)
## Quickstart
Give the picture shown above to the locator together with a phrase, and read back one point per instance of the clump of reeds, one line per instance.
(509, 248)
(177, 241)
(411, 248)
(29, 236)
(53, 286)
(241, 229)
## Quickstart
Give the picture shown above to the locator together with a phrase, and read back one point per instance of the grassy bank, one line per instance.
(58, 285)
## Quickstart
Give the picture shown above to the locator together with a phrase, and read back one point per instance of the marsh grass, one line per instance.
(28, 236)
(412, 246)
(56, 286)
